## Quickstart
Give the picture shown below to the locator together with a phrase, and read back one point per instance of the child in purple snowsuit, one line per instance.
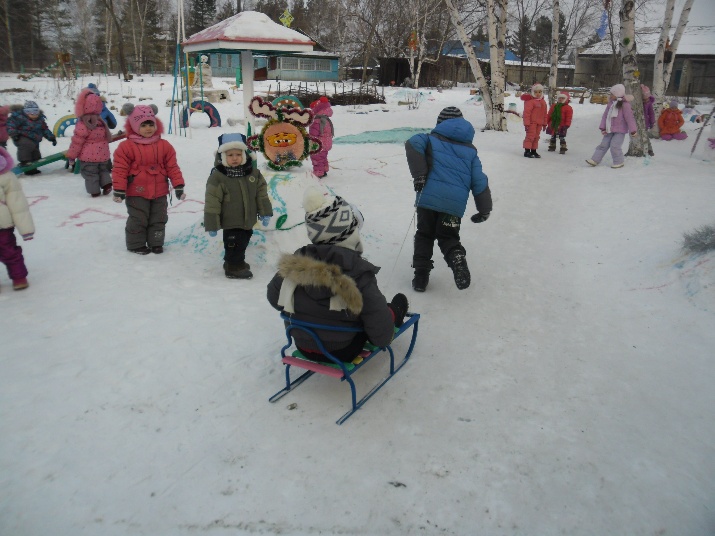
(648, 110)
(14, 212)
(322, 128)
(617, 121)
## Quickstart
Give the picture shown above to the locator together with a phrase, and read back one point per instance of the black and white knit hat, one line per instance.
(332, 220)
(450, 112)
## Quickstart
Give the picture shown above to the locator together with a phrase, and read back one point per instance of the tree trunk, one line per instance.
(554, 71)
(658, 87)
(8, 32)
(109, 4)
(682, 23)
(496, 15)
(474, 64)
(639, 144)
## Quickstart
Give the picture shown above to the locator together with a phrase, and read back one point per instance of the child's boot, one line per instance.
(421, 280)
(19, 284)
(238, 271)
(457, 261)
(563, 148)
(534, 154)
(552, 145)
(107, 189)
(527, 153)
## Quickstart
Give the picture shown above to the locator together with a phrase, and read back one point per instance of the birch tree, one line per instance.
(428, 19)
(493, 95)
(553, 72)
(639, 144)
(662, 70)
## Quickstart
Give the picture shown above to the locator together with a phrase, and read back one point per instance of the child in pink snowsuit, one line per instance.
(535, 119)
(322, 128)
(90, 144)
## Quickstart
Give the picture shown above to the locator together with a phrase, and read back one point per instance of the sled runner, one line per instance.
(339, 369)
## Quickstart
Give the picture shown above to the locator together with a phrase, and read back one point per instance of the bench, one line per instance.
(338, 369)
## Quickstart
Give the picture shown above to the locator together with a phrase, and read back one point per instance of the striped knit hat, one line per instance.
(331, 220)
(450, 112)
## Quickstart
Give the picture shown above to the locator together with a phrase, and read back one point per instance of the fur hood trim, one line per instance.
(310, 272)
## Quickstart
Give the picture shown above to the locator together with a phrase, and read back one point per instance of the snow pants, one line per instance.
(11, 255)
(146, 224)
(235, 243)
(431, 226)
(676, 136)
(27, 150)
(614, 142)
(96, 175)
(533, 132)
(320, 163)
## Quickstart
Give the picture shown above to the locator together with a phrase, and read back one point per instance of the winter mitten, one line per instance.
(70, 164)
(180, 195)
(480, 217)
(265, 220)
(212, 233)
(420, 182)
(119, 196)
(399, 306)
(28, 236)
(54, 142)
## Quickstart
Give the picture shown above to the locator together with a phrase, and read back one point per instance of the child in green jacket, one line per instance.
(236, 194)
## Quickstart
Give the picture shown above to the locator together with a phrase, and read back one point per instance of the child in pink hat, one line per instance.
(142, 164)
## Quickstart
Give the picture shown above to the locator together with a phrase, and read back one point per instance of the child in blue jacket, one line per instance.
(445, 168)
(27, 127)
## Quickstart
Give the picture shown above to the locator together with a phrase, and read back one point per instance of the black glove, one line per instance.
(399, 306)
(120, 194)
(420, 182)
(54, 142)
(480, 217)
(179, 192)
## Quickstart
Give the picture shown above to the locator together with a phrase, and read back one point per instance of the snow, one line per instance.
(569, 390)
(696, 41)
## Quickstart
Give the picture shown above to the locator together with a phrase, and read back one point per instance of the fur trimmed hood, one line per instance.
(309, 272)
(87, 103)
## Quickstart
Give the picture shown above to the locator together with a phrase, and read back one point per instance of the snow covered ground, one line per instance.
(569, 390)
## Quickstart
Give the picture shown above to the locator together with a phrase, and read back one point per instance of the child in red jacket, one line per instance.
(559, 121)
(534, 119)
(144, 164)
(90, 144)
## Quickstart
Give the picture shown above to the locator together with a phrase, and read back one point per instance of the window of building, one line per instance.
(307, 65)
(322, 65)
(218, 60)
(289, 63)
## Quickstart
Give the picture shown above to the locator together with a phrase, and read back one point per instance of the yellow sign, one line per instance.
(286, 18)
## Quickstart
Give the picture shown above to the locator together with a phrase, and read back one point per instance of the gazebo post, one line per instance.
(247, 74)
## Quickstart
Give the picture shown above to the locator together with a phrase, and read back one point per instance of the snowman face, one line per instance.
(283, 142)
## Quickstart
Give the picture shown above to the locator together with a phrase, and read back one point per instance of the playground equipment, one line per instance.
(63, 62)
(62, 124)
(201, 106)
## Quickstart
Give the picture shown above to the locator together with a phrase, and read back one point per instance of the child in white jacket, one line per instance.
(14, 212)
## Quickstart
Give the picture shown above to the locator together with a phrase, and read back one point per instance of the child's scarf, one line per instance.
(556, 116)
(612, 113)
(141, 140)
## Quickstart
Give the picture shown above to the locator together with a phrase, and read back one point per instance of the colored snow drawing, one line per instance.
(396, 135)
(190, 206)
(36, 199)
(90, 215)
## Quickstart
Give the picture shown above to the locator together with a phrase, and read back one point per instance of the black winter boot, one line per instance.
(534, 154)
(420, 281)
(238, 271)
(552, 145)
(457, 261)
(563, 148)
(527, 153)
(399, 306)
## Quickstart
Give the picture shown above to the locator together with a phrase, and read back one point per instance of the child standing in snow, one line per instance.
(445, 168)
(559, 121)
(648, 110)
(670, 121)
(236, 194)
(534, 119)
(322, 128)
(14, 212)
(27, 127)
(142, 164)
(4, 112)
(90, 144)
(329, 282)
(617, 121)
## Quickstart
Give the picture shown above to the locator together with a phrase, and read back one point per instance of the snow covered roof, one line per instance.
(696, 41)
(481, 49)
(248, 30)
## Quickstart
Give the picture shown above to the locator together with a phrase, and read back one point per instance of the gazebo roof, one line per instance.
(248, 30)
